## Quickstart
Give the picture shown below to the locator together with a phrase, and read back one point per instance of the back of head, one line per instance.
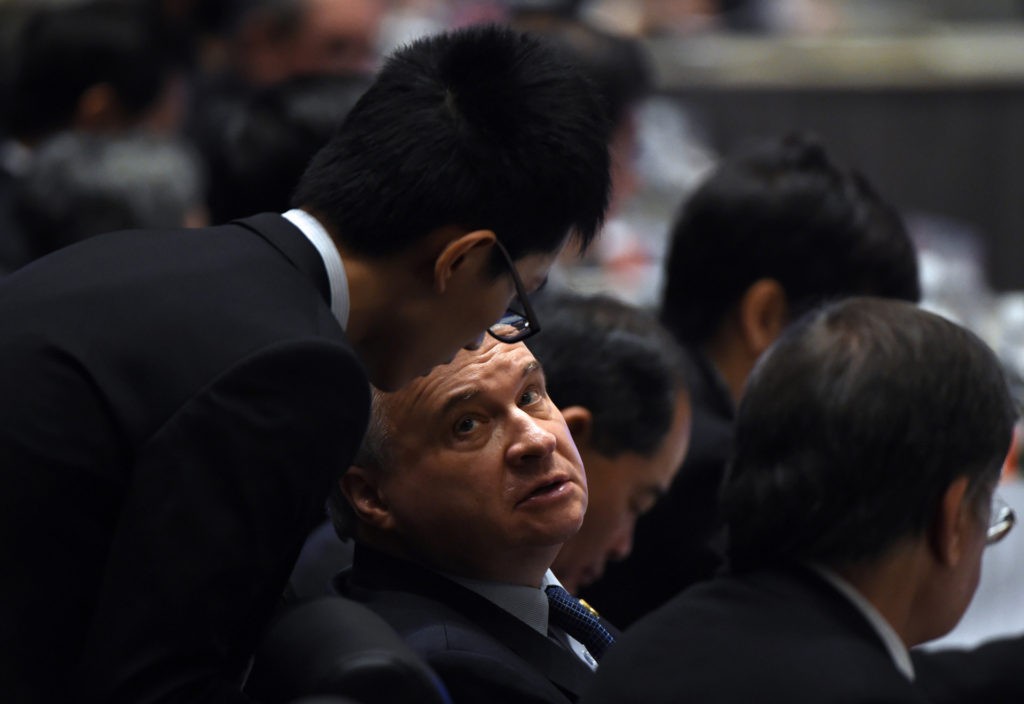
(63, 51)
(258, 152)
(80, 185)
(852, 428)
(615, 360)
(481, 128)
(782, 211)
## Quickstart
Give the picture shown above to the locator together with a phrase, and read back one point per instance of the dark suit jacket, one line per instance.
(173, 408)
(989, 673)
(780, 636)
(681, 540)
(481, 652)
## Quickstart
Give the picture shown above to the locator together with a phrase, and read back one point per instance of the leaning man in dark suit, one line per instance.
(860, 499)
(467, 485)
(174, 405)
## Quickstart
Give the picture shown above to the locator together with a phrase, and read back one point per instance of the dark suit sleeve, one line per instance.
(219, 502)
(990, 673)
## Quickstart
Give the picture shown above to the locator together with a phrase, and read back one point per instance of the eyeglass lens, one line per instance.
(1002, 519)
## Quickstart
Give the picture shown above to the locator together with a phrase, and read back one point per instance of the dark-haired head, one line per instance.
(615, 360)
(782, 211)
(852, 429)
(95, 65)
(479, 129)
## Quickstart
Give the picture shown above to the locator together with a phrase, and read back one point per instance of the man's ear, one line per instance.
(465, 254)
(580, 422)
(953, 521)
(361, 487)
(763, 312)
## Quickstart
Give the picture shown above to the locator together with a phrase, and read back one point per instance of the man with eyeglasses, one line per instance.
(177, 403)
(859, 501)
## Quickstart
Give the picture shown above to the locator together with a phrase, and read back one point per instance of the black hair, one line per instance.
(480, 128)
(851, 429)
(782, 210)
(258, 150)
(62, 51)
(615, 360)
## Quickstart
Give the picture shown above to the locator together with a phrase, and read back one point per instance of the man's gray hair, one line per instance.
(373, 454)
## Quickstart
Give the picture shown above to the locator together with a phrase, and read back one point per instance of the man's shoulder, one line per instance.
(470, 641)
(774, 636)
(416, 601)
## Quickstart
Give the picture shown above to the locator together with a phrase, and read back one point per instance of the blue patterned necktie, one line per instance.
(578, 620)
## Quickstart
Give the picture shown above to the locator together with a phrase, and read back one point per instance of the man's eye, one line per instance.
(465, 425)
(529, 396)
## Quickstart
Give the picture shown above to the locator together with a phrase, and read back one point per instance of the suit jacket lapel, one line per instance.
(376, 570)
(290, 241)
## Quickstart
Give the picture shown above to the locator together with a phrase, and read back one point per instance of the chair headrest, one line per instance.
(334, 646)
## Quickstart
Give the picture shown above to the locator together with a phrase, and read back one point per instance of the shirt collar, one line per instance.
(528, 604)
(893, 643)
(336, 277)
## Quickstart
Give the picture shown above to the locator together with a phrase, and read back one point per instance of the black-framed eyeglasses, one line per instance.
(1001, 519)
(519, 321)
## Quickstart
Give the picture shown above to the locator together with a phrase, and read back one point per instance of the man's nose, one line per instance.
(532, 440)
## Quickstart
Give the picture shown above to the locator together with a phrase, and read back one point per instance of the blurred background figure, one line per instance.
(269, 42)
(99, 66)
(625, 256)
(276, 39)
(80, 184)
(94, 66)
(257, 152)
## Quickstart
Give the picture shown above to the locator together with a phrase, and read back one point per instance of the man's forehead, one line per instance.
(471, 372)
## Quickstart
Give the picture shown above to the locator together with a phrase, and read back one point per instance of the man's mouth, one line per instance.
(551, 490)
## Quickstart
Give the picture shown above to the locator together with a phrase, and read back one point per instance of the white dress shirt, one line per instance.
(336, 277)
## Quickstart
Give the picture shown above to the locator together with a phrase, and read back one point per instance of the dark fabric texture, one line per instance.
(482, 652)
(334, 646)
(323, 555)
(989, 673)
(779, 636)
(175, 407)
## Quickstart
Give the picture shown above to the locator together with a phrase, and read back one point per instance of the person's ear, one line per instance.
(763, 312)
(98, 108)
(467, 254)
(580, 422)
(954, 520)
(361, 486)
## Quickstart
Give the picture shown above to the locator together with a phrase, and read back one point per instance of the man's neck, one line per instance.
(731, 365)
(892, 585)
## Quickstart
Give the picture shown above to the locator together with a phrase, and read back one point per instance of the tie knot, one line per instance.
(575, 618)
